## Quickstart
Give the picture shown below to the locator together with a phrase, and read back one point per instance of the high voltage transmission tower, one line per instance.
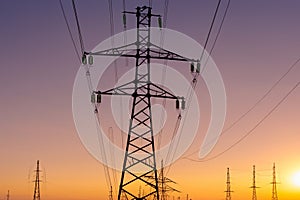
(164, 183)
(274, 183)
(110, 196)
(254, 197)
(7, 196)
(37, 194)
(228, 186)
(136, 166)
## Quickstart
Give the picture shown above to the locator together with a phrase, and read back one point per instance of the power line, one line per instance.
(163, 79)
(112, 33)
(125, 29)
(218, 34)
(100, 139)
(166, 9)
(103, 152)
(171, 148)
(194, 81)
(124, 5)
(150, 3)
(250, 131)
(78, 28)
(111, 17)
(259, 100)
(112, 155)
(210, 29)
(99, 134)
(69, 30)
(263, 97)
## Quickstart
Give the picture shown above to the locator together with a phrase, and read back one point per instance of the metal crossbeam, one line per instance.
(152, 90)
(129, 50)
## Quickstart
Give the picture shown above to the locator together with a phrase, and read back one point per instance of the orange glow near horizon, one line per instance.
(258, 43)
(296, 179)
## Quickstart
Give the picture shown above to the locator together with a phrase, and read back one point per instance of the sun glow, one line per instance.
(296, 179)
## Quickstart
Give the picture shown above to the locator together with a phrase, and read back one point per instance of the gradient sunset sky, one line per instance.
(259, 41)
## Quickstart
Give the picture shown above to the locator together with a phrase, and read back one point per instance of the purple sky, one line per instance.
(258, 43)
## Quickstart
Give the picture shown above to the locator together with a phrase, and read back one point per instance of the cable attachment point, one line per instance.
(194, 81)
(96, 97)
(83, 59)
(159, 22)
(124, 20)
(197, 68)
(180, 105)
(177, 103)
(192, 67)
(96, 110)
(91, 60)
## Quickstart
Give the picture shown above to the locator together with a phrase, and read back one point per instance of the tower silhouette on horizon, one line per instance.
(228, 186)
(37, 194)
(274, 184)
(254, 197)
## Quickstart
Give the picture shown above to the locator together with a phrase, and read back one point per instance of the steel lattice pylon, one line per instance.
(274, 184)
(37, 194)
(254, 197)
(140, 134)
(228, 186)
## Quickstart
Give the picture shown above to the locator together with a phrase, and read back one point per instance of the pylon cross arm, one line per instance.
(129, 50)
(164, 54)
(124, 51)
(129, 89)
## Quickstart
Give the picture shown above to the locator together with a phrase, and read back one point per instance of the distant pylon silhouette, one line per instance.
(37, 194)
(254, 197)
(7, 196)
(228, 188)
(110, 197)
(274, 183)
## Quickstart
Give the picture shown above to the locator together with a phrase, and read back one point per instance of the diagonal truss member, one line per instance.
(139, 161)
